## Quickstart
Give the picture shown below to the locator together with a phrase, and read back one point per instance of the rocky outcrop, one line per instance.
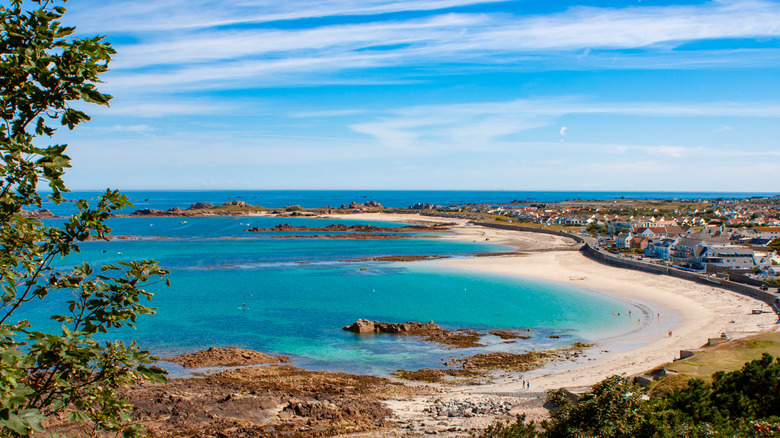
(270, 401)
(149, 212)
(423, 206)
(410, 328)
(38, 214)
(356, 206)
(200, 206)
(236, 204)
(429, 331)
(230, 356)
(468, 408)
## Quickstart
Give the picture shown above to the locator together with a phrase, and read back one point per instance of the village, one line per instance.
(725, 237)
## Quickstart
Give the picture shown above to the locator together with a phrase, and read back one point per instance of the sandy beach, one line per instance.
(692, 312)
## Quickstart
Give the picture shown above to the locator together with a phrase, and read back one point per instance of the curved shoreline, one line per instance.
(692, 312)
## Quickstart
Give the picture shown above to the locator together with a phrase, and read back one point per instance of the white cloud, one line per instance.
(475, 126)
(131, 128)
(198, 47)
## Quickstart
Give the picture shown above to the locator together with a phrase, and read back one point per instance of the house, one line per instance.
(686, 251)
(728, 256)
(659, 247)
(659, 231)
(622, 240)
(768, 232)
(638, 242)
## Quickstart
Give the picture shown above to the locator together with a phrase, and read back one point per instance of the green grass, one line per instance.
(729, 356)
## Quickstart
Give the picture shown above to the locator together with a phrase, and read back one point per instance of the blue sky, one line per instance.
(433, 94)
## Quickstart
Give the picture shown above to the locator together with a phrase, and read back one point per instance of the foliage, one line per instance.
(518, 429)
(742, 403)
(775, 244)
(613, 408)
(596, 228)
(43, 70)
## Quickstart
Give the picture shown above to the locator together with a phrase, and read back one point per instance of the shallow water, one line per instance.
(299, 294)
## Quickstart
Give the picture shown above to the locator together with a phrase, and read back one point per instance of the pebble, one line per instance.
(467, 408)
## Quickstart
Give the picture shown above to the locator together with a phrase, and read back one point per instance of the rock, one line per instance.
(38, 214)
(173, 209)
(361, 326)
(230, 356)
(148, 212)
(235, 203)
(200, 206)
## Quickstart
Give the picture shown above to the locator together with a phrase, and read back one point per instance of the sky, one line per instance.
(637, 95)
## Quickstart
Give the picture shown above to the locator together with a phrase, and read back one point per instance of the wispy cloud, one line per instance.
(477, 125)
(200, 45)
(170, 15)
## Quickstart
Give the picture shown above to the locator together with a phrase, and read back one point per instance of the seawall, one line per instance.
(769, 298)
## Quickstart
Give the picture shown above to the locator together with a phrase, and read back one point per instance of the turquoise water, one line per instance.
(299, 293)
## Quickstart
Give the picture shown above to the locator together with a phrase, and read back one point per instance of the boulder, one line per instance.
(236, 203)
(38, 214)
(361, 326)
(201, 205)
(147, 212)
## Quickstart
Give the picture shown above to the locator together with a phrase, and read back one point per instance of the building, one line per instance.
(728, 256)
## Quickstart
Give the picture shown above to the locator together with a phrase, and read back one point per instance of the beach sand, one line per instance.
(692, 312)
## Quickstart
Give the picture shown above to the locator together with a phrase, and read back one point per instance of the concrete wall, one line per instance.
(608, 259)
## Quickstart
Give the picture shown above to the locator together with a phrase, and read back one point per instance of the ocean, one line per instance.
(164, 200)
(230, 287)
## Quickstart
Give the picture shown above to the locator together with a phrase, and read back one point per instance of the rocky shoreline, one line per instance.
(256, 394)
(225, 357)
(276, 399)
(269, 401)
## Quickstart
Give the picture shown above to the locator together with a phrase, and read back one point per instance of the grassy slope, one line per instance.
(728, 356)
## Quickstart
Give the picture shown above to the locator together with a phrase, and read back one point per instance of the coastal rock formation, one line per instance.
(405, 328)
(429, 331)
(230, 356)
(356, 206)
(270, 401)
(510, 334)
(149, 212)
(43, 213)
(422, 206)
(468, 408)
(200, 205)
(238, 208)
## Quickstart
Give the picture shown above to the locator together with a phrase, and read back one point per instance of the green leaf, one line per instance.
(16, 424)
